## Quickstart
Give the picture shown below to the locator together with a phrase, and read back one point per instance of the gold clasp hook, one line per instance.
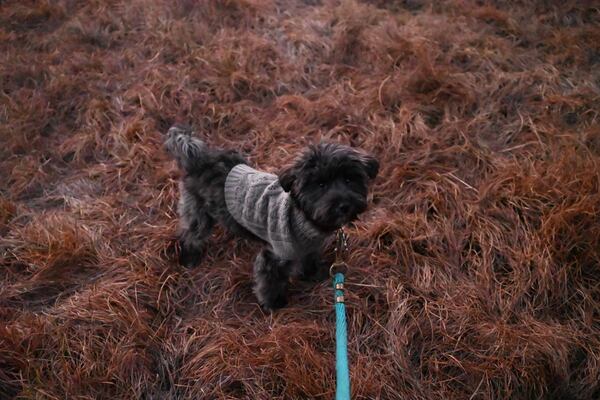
(341, 247)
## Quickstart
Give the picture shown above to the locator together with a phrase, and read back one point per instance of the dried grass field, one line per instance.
(475, 273)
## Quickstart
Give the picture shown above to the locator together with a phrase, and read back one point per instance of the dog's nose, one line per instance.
(343, 208)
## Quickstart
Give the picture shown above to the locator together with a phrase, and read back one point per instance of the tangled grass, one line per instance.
(474, 275)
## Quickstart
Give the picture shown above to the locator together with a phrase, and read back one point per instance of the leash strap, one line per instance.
(337, 271)
(341, 339)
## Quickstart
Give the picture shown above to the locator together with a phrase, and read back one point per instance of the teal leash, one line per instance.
(337, 270)
(342, 391)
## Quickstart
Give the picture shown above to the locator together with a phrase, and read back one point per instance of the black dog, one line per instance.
(293, 214)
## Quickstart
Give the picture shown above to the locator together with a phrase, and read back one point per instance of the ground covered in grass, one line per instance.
(474, 275)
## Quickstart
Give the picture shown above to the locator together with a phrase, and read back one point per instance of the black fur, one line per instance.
(328, 183)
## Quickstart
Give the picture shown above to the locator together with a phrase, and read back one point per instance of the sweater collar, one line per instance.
(307, 230)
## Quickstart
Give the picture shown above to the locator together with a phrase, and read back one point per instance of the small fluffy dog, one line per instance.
(292, 214)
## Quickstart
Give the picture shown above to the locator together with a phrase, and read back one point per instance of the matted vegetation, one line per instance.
(475, 274)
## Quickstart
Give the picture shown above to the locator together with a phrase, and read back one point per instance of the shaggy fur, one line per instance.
(328, 186)
(473, 273)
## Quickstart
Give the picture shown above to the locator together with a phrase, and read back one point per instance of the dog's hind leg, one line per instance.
(192, 240)
(271, 280)
(195, 227)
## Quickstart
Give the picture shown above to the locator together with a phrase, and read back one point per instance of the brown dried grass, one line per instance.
(474, 275)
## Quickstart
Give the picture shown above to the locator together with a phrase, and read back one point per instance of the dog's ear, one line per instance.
(371, 165)
(287, 178)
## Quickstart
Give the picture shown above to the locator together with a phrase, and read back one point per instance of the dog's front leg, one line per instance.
(313, 267)
(271, 280)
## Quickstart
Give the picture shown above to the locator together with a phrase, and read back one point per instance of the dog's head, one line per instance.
(329, 183)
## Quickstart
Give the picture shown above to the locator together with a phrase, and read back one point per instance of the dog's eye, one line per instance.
(348, 180)
(321, 185)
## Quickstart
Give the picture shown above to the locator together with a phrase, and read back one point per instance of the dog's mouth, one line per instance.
(330, 222)
(338, 217)
(346, 218)
(333, 213)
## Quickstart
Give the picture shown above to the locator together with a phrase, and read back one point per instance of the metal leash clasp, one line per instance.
(341, 247)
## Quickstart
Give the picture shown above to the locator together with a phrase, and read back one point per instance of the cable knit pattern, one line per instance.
(258, 202)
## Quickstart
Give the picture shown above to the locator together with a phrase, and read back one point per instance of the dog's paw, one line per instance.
(190, 257)
(274, 303)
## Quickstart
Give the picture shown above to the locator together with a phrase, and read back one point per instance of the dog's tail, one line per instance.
(183, 146)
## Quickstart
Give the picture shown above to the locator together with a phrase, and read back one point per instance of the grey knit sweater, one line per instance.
(258, 202)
